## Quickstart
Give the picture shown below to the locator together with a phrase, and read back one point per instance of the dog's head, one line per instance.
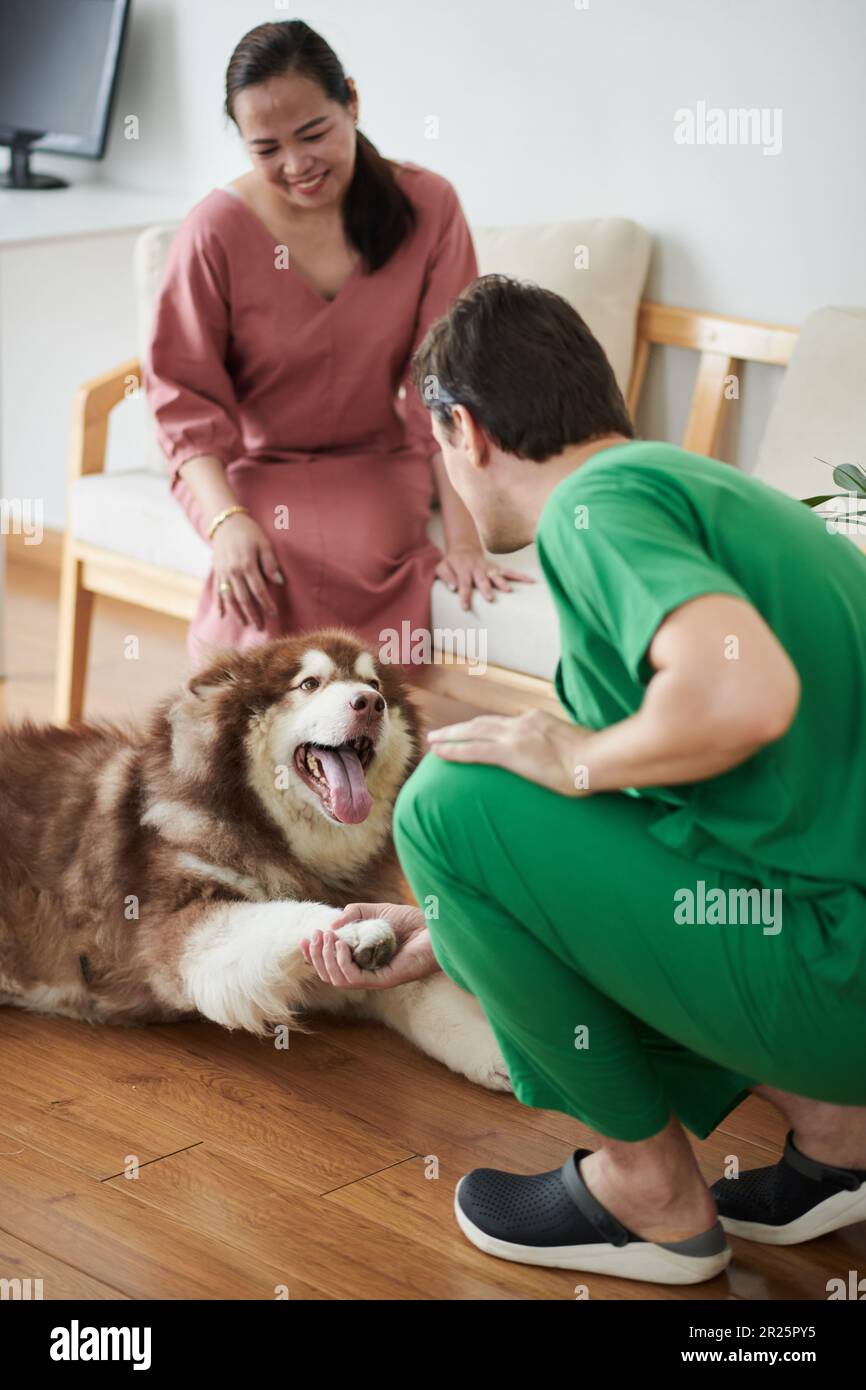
(321, 724)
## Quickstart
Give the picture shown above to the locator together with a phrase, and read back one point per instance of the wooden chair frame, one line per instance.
(723, 344)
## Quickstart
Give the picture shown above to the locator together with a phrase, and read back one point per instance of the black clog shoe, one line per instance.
(553, 1219)
(793, 1200)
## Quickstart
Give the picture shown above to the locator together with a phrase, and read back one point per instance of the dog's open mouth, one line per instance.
(337, 775)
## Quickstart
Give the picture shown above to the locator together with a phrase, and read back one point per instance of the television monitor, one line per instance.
(59, 61)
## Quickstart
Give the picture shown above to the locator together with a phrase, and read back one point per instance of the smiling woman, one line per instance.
(297, 113)
(292, 303)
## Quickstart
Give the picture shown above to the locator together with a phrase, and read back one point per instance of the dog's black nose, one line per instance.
(373, 702)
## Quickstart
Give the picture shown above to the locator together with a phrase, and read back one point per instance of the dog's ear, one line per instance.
(193, 716)
(213, 678)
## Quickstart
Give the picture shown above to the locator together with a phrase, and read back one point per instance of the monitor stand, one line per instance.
(19, 174)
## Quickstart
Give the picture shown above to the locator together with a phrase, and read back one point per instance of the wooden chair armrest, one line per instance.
(94, 402)
(742, 339)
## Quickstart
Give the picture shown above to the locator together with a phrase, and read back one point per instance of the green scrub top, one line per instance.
(641, 528)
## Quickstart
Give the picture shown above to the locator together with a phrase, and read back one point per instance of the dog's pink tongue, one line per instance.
(350, 797)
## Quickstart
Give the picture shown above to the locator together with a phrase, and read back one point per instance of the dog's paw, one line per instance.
(492, 1073)
(372, 942)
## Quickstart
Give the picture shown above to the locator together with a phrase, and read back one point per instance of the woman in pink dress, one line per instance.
(292, 303)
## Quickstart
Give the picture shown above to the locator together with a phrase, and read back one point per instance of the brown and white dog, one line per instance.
(170, 871)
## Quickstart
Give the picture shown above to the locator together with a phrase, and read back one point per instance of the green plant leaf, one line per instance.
(850, 476)
(817, 501)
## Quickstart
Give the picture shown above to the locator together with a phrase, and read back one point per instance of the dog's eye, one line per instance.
(377, 685)
(311, 683)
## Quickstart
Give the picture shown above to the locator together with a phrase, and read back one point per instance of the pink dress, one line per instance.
(298, 396)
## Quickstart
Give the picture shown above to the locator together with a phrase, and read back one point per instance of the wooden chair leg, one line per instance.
(73, 639)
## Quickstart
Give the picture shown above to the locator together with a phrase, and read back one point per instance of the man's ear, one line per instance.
(470, 435)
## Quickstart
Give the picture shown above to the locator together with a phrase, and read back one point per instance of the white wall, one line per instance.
(548, 111)
(545, 111)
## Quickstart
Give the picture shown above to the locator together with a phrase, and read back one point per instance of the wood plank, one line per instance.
(105, 1233)
(236, 1099)
(757, 1122)
(268, 1217)
(47, 555)
(97, 1133)
(386, 1083)
(402, 1199)
(19, 1260)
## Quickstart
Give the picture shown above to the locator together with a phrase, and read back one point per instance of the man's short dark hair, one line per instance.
(525, 365)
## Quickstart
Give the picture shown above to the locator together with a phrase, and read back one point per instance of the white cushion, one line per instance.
(599, 265)
(519, 631)
(135, 515)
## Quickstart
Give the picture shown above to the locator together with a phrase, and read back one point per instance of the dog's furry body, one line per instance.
(170, 871)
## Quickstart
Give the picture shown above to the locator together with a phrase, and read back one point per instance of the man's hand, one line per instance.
(535, 745)
(332, 959)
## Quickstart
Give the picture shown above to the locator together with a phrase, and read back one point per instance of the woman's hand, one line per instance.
(535, 745)
(244, 559)
(332, 958)
(464, 567)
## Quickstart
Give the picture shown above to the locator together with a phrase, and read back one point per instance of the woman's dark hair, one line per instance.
(377, 214)
(523, 361)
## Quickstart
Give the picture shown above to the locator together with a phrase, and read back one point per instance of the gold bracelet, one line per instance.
(223, 516)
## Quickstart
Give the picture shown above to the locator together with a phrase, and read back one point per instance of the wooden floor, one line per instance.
(184, 1162)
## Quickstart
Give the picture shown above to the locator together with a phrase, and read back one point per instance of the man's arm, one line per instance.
(724, 686)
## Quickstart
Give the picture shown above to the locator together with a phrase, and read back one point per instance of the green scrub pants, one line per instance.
(558, 914)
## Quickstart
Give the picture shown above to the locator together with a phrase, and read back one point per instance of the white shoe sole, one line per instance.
(842, 1209)
(651, 1263)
